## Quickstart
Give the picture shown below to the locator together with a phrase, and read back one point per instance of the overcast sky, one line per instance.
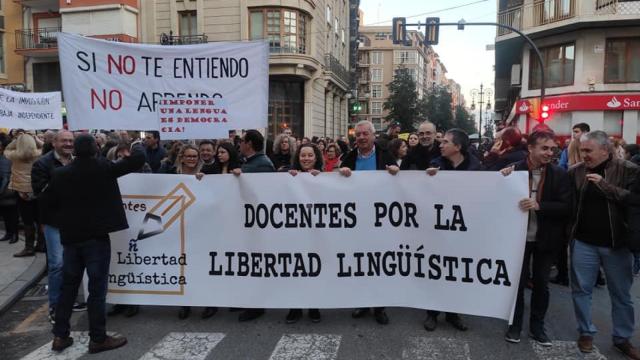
(463, 52)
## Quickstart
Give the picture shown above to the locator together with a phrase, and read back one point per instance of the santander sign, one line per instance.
(586, 102)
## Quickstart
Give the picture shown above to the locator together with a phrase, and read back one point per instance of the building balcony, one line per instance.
(333, 66)
(171, 39)
(42, 42)
(45, 4)
(538, 16)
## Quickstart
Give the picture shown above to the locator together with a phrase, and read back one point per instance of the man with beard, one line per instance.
(548, 207)
(41, 173)
(426, 151)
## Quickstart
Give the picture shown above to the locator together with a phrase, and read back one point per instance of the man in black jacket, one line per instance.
(87, 198)
(41, 173)
(367, 157)
(548, 207)
(426, 151)
(454, 147)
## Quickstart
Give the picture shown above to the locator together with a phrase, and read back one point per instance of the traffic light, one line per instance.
(432, 31)
(356, 107)
(544, 113)
(399, 31)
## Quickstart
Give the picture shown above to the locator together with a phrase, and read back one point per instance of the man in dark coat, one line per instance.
(604, 189)
(41, 173)
(454, 148)
(426, 151)
(549, 209)
(87, 198)
(366, 156)
(251, 146)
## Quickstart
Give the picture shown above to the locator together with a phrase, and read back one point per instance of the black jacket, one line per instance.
(421, 157)
(621, 187)
(86, 195)
(555, 206)
(470, 163)
(383, 159)
(41, 173)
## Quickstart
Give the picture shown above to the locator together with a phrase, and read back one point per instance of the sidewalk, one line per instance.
(17, 274)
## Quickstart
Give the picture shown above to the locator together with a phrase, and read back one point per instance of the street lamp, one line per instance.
(480, 94)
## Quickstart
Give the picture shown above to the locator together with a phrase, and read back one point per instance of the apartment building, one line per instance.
(591, 60)
(378, 59)
(309, 41)
(11, 64)
(36, 41)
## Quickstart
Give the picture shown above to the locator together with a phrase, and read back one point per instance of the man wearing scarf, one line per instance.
(548, 206)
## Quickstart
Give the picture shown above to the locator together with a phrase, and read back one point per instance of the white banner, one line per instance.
(30, 111)
(453, 242)
(181, 91)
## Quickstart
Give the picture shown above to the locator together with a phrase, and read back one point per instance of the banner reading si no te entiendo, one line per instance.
(276, 241)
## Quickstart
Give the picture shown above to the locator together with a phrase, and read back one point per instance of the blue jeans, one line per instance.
(95, 256)
(617, 264)
(54, 263)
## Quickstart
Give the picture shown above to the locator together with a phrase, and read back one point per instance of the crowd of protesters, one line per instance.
(582, 209)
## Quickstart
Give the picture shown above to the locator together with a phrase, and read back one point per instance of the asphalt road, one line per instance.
(156, 333)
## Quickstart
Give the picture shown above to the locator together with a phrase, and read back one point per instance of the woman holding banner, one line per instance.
(188, 162)
(308, 159)
(227, 159)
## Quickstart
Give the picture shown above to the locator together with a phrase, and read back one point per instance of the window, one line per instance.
(382, 36)
(405, 57)
(377, 123)
(613, 122)
(342, 35)
(2, 70)
(559, 62)
(376, 91)
(336, 26)
(188, 23)
(2, 59)
(376, 108)
(376, 75)
(377, 58)
(285, 29)
(328, 14)
(622, 61)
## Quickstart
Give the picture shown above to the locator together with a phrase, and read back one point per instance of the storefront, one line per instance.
(617, 114)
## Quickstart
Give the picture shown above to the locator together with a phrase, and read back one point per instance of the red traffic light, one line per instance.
(544, 114)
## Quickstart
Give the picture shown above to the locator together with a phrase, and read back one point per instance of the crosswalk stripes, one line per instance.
(424, 348)
(79, 348)
(307, 346)
(182, 345)
(564, 350)
(199, 345)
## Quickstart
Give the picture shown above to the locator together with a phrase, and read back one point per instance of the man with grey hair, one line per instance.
(366, 156)
(604, 187)
(427, 150)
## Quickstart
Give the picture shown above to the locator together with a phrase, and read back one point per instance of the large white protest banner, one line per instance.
(30, 111)
(276, 241)
(204, 89)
